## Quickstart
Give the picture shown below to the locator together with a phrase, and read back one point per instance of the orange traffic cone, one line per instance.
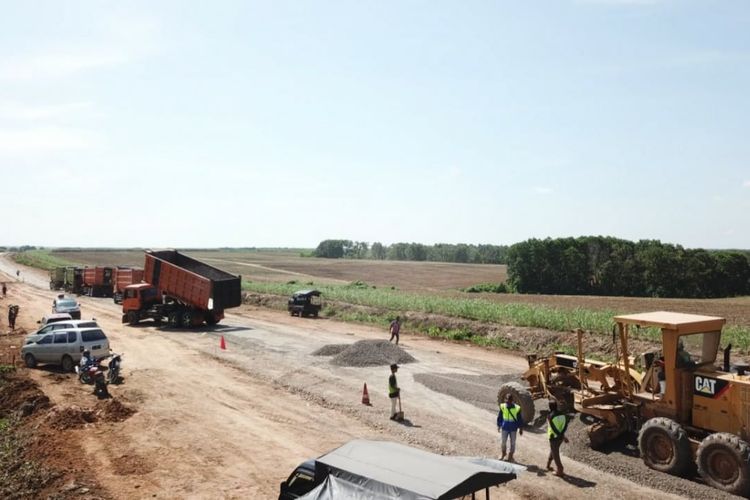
(222, 344)
(365, 396)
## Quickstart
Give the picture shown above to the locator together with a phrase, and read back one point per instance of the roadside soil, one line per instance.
(203, 422)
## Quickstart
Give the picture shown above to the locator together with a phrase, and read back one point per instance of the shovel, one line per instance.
(400, 414)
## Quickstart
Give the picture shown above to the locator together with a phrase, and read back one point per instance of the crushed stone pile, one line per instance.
(372, 353)
(331, 349)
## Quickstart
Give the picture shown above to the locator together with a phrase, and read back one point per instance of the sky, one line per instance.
(284, 123)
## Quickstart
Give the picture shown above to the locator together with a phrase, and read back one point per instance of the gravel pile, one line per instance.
(331, 349)
(372, 353)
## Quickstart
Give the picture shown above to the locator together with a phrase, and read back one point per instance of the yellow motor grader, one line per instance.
(684, 408)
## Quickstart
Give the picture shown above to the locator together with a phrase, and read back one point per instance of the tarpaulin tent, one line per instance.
(374, 470)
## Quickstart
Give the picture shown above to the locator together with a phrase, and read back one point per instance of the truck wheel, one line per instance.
(724, 463)
(211, 319)
(30, 360)
(187, 319)
(67, 364)
(664, 446)
(174, 319)
(521, 396)
(133, 318)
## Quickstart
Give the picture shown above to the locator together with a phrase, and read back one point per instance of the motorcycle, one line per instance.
(94, 373)
(113, 375)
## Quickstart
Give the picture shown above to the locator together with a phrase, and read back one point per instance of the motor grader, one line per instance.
(684, 409)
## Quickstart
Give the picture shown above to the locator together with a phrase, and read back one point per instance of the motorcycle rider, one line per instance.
(87, 360)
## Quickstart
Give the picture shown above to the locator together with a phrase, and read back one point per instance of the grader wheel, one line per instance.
(521, 396)
(664, 446)
(724, 463)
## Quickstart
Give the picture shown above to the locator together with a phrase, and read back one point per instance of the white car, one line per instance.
(64, 346)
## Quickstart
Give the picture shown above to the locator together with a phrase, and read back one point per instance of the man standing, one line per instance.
(509, 421)
(557, 424)
(395, 329)
(5, 290)
(393, 390)
(12, 314)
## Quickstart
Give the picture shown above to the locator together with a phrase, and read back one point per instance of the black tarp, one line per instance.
(383, 469)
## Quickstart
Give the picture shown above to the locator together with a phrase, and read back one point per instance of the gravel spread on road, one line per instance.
(372, 353)
(620, 458)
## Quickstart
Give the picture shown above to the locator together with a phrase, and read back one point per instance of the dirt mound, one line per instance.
(131, 465)
(71, 417)
(372, 353)
(331, 349)
(112, 410)
(20, 395)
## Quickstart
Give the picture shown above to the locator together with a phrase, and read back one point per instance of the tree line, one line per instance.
(440, 252)
(597, 265)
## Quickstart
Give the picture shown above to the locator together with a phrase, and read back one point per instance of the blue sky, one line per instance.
(186, 123)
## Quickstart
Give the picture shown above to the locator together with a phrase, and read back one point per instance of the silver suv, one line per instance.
(64, 346)
(60, 325)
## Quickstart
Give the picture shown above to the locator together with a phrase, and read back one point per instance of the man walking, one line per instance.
(509, 421)
(557, 424)
(393, 390)
(395, 329)
(5, 290)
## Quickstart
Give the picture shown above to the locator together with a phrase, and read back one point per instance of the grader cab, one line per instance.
(685, 409)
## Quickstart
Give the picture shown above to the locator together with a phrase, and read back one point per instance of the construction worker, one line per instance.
(394, 329)
(12, 314)
(393, 390)
(557, 424)
(683, 357)
(509, 421)
(5, 290)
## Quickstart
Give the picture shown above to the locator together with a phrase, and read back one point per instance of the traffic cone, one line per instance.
(365, 396)
(222, 344)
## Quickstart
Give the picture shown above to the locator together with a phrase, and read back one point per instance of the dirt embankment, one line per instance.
(39, 451)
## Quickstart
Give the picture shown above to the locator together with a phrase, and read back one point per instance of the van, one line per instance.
(64, 346)
(66, 324)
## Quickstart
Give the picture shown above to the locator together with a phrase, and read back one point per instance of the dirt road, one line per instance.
(233, 424)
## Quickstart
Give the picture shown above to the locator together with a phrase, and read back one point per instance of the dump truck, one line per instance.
(123, 277)
(181, 290)
(57, 278)
(686, 409)
(73, 280)
(97, 281)
(382, 470)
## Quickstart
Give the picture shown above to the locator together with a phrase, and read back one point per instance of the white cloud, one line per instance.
(50, 65)
(44, 139)
(18, 111)
(543, 190)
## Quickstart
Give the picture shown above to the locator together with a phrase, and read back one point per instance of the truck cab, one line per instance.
(299, 482)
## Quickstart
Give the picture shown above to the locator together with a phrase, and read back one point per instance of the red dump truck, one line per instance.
(181, 290)
(97, 281)
(123, 277)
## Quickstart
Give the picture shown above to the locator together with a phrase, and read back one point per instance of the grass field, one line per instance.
(430, 288)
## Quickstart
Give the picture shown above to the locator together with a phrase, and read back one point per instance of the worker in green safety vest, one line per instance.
(509, 421)
(557, 424)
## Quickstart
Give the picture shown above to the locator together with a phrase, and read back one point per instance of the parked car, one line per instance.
(54, 318)
(67, 305)
(65, 324)
(64, 346)
(304, 303)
